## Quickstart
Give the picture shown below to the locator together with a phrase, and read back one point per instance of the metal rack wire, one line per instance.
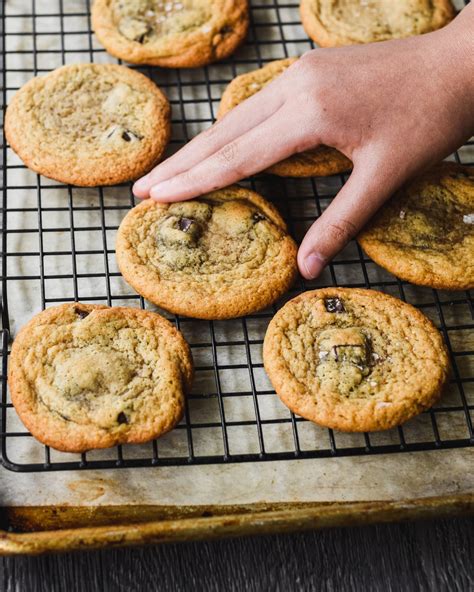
(57, 246)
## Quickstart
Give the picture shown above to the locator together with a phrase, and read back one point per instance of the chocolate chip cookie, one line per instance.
(170, 33)
(354, 360)
(85, 376)
(320, 162)
(345, 22)
(89, 124)
(425, 233)
(222, 255)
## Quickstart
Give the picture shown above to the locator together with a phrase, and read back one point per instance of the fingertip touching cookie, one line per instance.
(425, 233)
(319, 162)
(333, 23)
(86, 376)
(170, 33)
(89, 124)
(354, 360)
(222, 255)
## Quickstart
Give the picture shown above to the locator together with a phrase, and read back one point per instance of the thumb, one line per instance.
(356, 202)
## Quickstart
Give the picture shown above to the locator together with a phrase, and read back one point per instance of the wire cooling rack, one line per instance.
(57, 246)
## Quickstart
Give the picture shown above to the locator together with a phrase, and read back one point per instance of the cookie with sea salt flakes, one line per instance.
(354, 360)
(425, 233)
(345, 22)
(319, 162)
(170, 33)
(222, 255)
(89, 124)
(85, 376)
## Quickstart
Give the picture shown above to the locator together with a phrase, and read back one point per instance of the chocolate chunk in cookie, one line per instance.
(432, 243)
(172, 33)
(89, 124)
(370, 368)
(218, 256)
(118, 376)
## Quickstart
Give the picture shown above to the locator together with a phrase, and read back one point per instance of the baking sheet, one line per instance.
(96, 216)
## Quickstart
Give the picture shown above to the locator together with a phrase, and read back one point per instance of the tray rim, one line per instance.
(249, 520)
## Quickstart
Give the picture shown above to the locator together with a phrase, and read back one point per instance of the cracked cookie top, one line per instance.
(425, 233)
(224, 254)
(88, 376)
(174, 33)
(319, 162)
(345, 22)
(89, 124)
(354, 360)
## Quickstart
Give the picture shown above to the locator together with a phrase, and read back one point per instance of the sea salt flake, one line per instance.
(382, 404)
(373, 383)
(168, 7)
(468, 219)
(323, 355)
(206, 28)
(402, 214)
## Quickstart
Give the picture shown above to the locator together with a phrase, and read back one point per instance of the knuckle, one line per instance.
(341, 231)
(228, 153)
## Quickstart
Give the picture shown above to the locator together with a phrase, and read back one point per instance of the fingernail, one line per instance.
(313, 264)
(140, 184)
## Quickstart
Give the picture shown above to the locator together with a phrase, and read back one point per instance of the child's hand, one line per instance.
(393, 108)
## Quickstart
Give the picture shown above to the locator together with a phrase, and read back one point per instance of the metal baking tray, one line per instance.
(239, 462)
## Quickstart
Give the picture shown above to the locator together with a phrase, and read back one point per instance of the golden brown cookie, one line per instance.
(425, 233)
(222, 255)
(85, 376)
(320, 162)
(170, 33)
(346, 22)
(354, 360)
(89, 124)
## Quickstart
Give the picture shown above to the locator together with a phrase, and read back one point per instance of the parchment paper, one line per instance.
(394, 476)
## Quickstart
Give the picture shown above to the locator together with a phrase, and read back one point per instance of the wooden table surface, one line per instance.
(417, 556)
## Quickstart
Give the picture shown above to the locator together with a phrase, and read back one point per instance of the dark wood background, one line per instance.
(431, 556)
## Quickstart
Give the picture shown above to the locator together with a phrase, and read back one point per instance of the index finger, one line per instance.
(244, 117)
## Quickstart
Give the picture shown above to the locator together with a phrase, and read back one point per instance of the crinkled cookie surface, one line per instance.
(354, 360)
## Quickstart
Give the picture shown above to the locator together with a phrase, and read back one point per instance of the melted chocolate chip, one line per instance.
(81, 313)
(334, 305)
(185, 224)
(122, 418)
(257, 217)
(126, 135)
